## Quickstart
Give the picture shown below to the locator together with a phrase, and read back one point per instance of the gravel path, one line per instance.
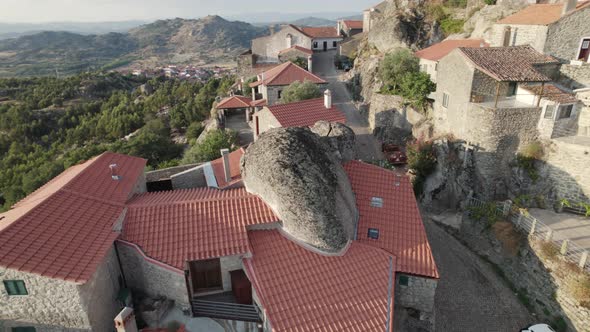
(470, 295)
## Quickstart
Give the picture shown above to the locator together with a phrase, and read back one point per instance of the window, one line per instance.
(206, 275)
(512, 88)
(23, 329)
(565, 112)
(315, 44)
(280, 93)
(377, 202)
(445, 101)
(334, 44)
(549, 111)
(404, 280)
(585, 44)
(15, 287)
(373, 233)
(424, 68)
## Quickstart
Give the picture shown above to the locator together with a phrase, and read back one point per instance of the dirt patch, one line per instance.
(510, 238)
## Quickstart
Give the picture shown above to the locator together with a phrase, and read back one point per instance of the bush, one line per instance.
(451, 25)
(436, 12)
(298, 91)
(416, 87)
(487, 212)
(194, 131)
(490, 2)
(210, 148)
(301, 62)
(421, 162)
(396, 65)
(534, 150)
(457, 3)
(559, 324)
(580, 287)
(549, 250)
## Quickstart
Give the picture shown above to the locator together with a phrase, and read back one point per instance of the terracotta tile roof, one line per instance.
(552, 92)
(401, 230)
(353, 24)
(234, 102)
(297, 48)
(260, 102)
(306, 113)
(234, 169)
(185, 225)
(440, 50)
(65, 229)
(318, 32)
(540, 14)
(302, 290)
(509, 64)
(286, 74)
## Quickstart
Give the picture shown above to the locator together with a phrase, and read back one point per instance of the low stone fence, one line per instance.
(536, 229)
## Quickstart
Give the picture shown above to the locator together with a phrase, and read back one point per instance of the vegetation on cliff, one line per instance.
(298, 91)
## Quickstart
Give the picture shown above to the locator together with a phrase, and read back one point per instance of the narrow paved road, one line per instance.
(470, 295)
(367, 146)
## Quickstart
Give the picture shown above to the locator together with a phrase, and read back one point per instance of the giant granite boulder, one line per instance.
(293, 171)
(338, 137)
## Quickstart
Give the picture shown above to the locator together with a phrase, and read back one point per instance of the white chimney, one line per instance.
(226, 171)
(125, 321)
(114, 172)
(310, 64)
(328, 99)
(568, 6)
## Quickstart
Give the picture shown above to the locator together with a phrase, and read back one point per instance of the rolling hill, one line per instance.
(202, 41)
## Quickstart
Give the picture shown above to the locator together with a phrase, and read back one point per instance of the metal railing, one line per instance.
(223, 310)
(536, 229)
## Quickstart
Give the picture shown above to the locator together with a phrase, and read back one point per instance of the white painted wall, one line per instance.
(429, 67)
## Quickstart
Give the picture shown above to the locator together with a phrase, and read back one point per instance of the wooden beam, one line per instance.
(541, 94)
(497, 94)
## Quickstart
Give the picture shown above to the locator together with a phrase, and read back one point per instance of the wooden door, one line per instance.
(507, 33)
(205, 275)
(584, 50)
(241, 287)
(325, 46)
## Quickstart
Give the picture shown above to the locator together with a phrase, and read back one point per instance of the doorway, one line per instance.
(325, 46)
(204, 276)
(584, 54)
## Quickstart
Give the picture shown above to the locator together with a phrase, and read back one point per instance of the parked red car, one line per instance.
(395, 154)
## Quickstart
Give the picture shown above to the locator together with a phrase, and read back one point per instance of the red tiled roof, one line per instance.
(440, 50)
(401, 230)
(234, 169)
(509, 64)
(260, 102)
(320, 32)
(306, 113)
(540, 14)
(286, 74)
(352, 24)
(302, 290)
(65, 229)
(234, 102)
(186, 225)
(552, 92)
(297, 48)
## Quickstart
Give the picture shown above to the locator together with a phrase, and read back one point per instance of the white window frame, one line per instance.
(561, 109)
(446, 99)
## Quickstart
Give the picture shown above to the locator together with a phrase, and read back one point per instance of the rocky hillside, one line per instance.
(207, 40)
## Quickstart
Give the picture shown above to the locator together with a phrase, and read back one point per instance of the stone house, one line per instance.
(295, 53)
(271, 83)
(430, 56)
(59, 268)
(299, 114)
(349, 28)
(560, 30)
(267, 49)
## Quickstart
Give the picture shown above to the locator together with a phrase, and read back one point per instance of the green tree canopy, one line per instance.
(395, 65)
(210, 148)
(298, 91)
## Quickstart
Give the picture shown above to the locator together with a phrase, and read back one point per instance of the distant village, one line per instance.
(184, 72)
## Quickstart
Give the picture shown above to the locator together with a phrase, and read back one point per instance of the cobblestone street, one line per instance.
(470, 295)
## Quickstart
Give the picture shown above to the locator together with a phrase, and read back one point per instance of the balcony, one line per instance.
(500, 102)
(225, 306)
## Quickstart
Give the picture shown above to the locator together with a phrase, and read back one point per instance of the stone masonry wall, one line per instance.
(99, 294)
(192, 178)
(569, 170)
(575, 77)
(390, 120)
(150, 279)
(51, 304)
(267, 48)
(418, 295)
(565, 35)
(266, 121)
(533, 35)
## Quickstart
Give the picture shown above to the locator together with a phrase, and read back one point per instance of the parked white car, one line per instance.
(538, 328)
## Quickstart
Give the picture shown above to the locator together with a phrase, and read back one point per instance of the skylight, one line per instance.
(373, 233)
(377, 202)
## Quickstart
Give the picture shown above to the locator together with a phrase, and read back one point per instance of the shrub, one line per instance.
(487, 212)
(490, 2)
(580, 287)
(396, 65)
(298, 91)
(457, 3)
(549, 250)
(534, 150)
(416, 87)
(246, 90)
(528, 164)
(301, 62)
(559, 324)
(194, 131)
(210, 148)
(436, 12)
(421, 162)
(451, 25)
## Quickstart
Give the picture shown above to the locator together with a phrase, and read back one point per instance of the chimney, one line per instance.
(114, 172)
(328, 99)
(568, 6)
(226, 171)
(310, 64)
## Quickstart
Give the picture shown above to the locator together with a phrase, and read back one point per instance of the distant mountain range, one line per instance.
(206, 40)
(13, 30)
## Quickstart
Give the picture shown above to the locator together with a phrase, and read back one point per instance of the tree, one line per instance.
(416, 86)
(210, 148)
(298, 91)
(194, 131)
(395, 65)
(301, 62)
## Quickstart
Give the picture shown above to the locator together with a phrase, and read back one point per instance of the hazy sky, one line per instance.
(119, 10)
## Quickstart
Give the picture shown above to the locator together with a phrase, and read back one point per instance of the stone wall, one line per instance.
(569, 170)
(564, 36)
(149, 278)
(533, 35)
(390, 120)
(228, 264)
(50, 305)
(192, 178)
(575, 76)
(266, 121)
(99, 294)
(418, 295)
(267, 49)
